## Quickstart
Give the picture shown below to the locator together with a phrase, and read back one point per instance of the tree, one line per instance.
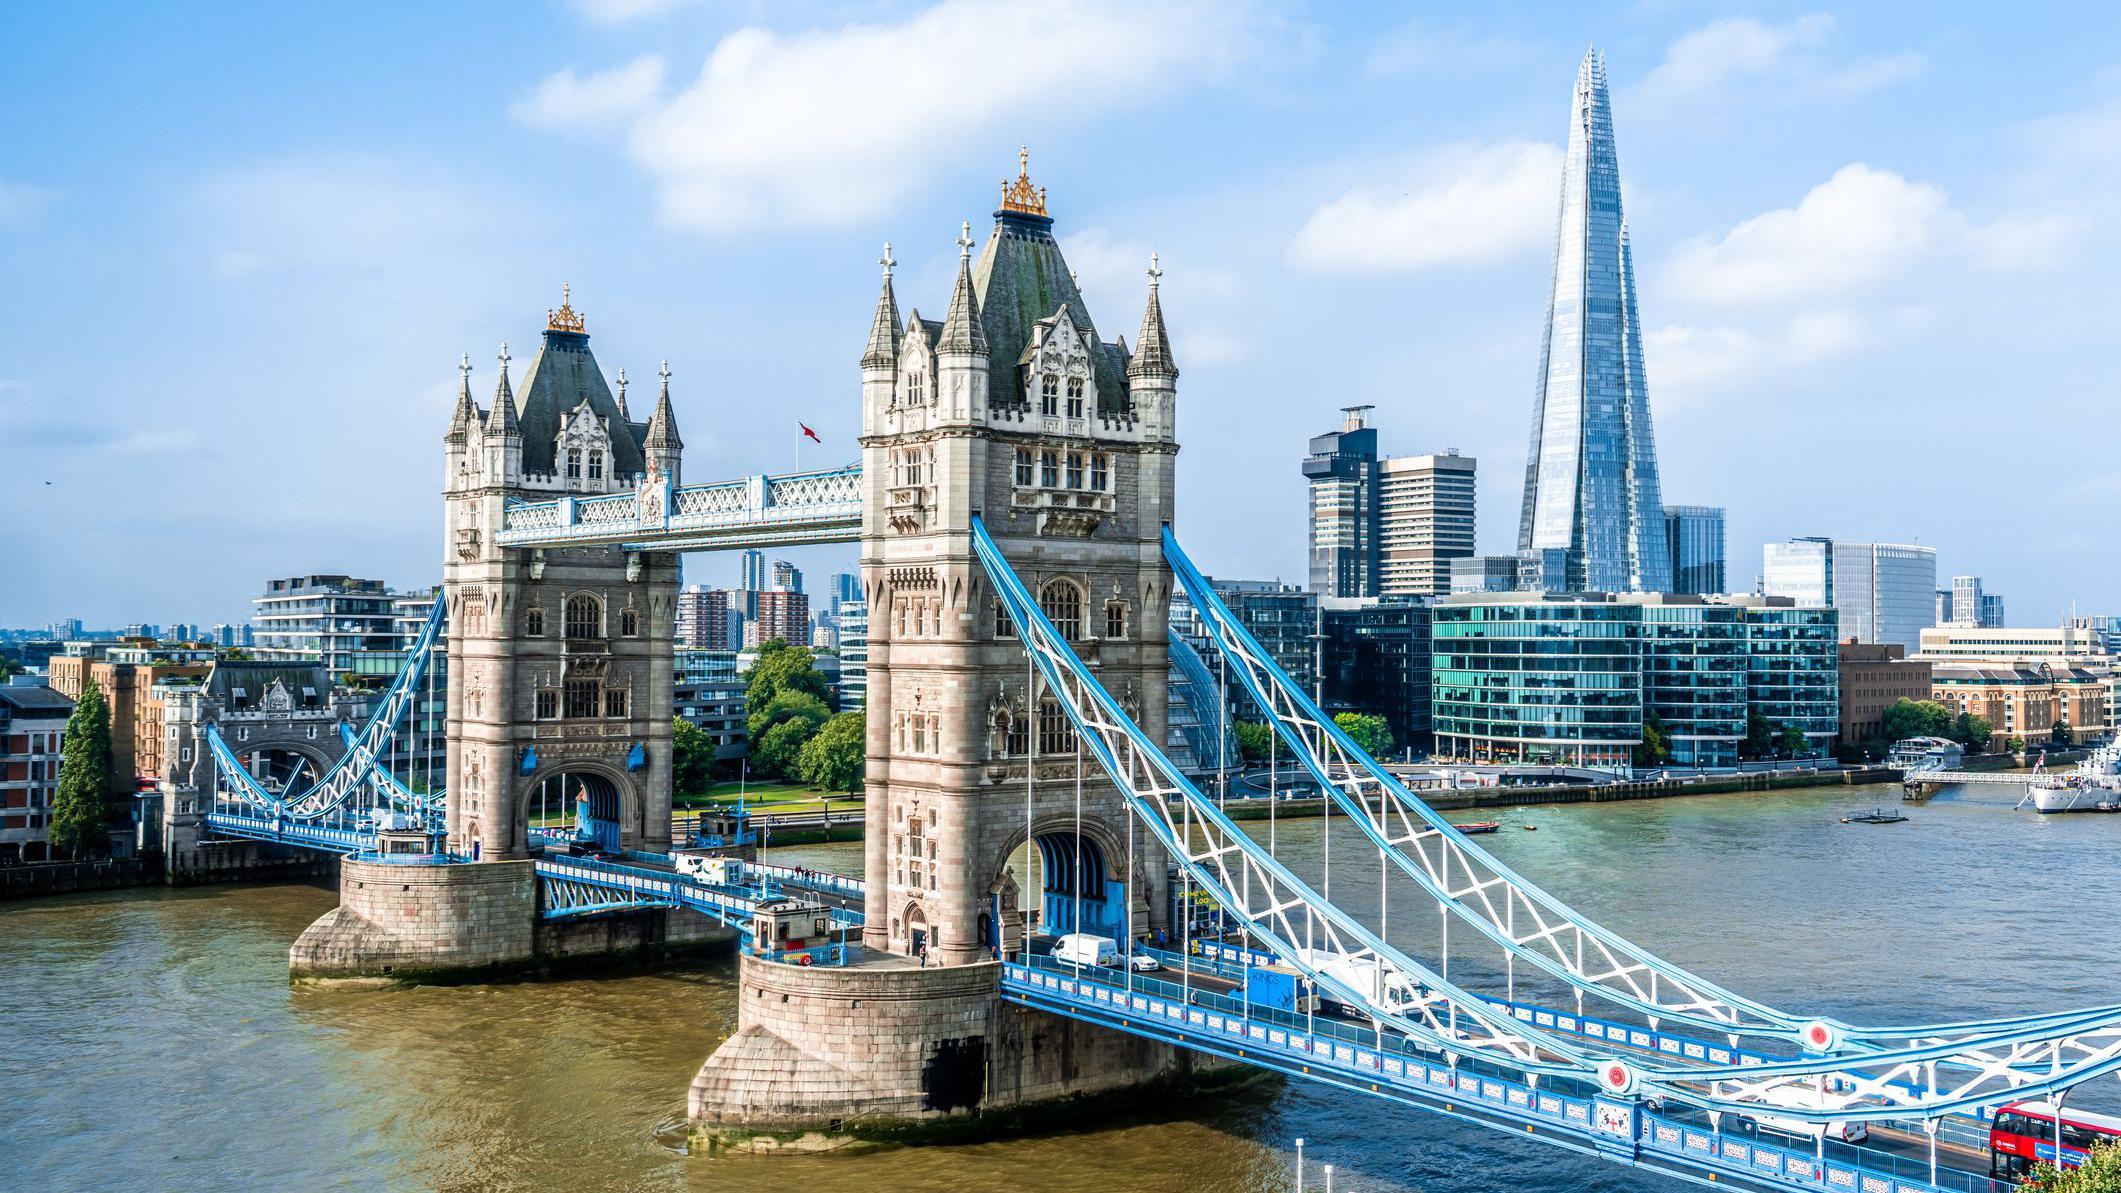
(81, 808)
(1970, 730)
(2100, 1173)
(1916, 718)
(1791, 741)
(779, 731)
(2059, 735)
(1759, 736)
(1373, 734)
(1656, 744)
(691, 758)
(2015, 745)
(1252, 740)
(235, 654)
(9, 666)
(832, 758)
(780, 667)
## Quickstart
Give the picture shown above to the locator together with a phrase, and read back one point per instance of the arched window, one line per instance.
(1075, 397)
(913, 389)
(1049, 395)
(1063, 605)
(596, 465)
(1003, 627)
(1055, 734)
(1016, 738)
(534, 622)
(574, 463)
(1023, 468)
(1115, 619)
(614, 702)
(581, 697)
(629, 623)
(585, 616)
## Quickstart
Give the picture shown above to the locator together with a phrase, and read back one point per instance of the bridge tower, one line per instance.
(1014, 409)
(560, 658)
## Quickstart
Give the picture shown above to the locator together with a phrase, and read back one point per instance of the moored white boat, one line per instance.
(2066, 797)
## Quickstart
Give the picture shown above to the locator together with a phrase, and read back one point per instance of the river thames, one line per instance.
(153, 1041)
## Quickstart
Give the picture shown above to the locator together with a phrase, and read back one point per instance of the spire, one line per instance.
(1020, 196)
(624, 417)
(467, 412)
(1152, 351)
(663, 424)
(566, 318)
(882, 352)
(962, 332)
(502, 420)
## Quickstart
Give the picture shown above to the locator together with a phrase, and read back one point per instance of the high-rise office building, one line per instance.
(1694, 535)
(786, 576)
(1425, 520)
(1971, 606)
(1590, 482)
(753, 563)
(853, 618)
(1885, 592)
(1342, 469)
(330, 618)
(782, 614)
(1484, 573)
(703, 618)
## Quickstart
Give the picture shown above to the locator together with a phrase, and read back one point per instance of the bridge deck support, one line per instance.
(827, 1058)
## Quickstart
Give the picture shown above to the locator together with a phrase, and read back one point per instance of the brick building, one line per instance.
(1875, 676)
(32, 726)
(127, 672)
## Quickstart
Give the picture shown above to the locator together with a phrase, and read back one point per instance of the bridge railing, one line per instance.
(815, 506)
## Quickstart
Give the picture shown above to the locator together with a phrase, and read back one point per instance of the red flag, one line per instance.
(809, 432)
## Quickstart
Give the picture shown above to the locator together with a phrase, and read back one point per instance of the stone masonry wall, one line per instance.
(423, 918)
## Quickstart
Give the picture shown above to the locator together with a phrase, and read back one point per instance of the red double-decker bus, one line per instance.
(2023, 1134)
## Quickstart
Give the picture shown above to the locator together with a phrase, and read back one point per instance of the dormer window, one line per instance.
(574, 463)
(596, 465)
(913, 389)
(1075, 397)
(1049, 395)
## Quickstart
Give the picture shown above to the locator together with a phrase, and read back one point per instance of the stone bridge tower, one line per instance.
(559, 658)
(1012, 408)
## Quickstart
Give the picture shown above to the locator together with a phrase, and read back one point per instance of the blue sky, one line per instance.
(242, 247)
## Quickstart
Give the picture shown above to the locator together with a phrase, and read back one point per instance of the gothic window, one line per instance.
(629, 623)
(1100, 471)
(913, 389)
(1049, 395)
(534, 622)
(1075, 397)
(574, 463)
(614, 702)
(1062, 602)
(1049, 469)
(596, 465)
(585, 616)
(1055, 734)
(1115, 619)
(1075, 470)
(1024, 477)
(1003, 627)
(548, 704)
(1017, 738)
(581, 698)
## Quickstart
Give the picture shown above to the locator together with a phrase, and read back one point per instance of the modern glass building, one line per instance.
(1342, 470)
(1885, 592)
(1590, 484)
(1694, 677)
(854, 653)
(1535, 677)
(1793, 674)
(1694, 536)
(1377, 661)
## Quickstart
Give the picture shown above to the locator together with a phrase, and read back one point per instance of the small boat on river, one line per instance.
(1478, 827)
(1874, 816)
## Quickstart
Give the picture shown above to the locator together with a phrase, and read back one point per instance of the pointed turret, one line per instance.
(963, 334)
(501, 420)
(503, 441)
(1152, 352)
(467, 411)
(624, 417)
(662, 446)
(882, 352)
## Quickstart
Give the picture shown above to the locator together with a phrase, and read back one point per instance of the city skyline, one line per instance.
(344, 253)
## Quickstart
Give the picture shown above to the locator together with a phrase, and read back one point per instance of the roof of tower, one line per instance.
(503, 418)
(962, 329)
(1152, 351)
(663, 424)
(562, 376)
(1020, 280)
(882, 351)
(467, 411)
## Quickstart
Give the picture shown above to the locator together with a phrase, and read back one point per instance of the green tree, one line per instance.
(10, 666)
(1916, 718)
(235, 654)
(1970, 730)
(1759, 736)
(2015, 745)
(1791, 741)
(779, 731)
(1372, 733)
(1252, 740)
(691, 758)
(832, 758)
(2059, 735)
(2100, 1173)
(81, 808)
(780, 667)
(1656, 744)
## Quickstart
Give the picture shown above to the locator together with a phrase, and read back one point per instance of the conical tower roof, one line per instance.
(882, 352)
(663, 424)
(962, 330)
(1152, 353)
(467, 411)
(502, 420)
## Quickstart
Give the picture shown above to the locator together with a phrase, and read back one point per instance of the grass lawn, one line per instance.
(768, 797)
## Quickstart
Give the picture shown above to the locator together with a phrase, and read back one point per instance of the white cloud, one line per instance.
(596, 100)
(1848, 233)
(1713, 61)
(834, 127)
(1425, 48)
(1465, 205)
(19, 201)
(1686, 363)
(333, 212)
(1200, 301)
(618, 12)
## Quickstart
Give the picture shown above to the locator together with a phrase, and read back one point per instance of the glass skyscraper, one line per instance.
(1590, 484)
(1694, 534)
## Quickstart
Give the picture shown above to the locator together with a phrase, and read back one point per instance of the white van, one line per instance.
(1805, 1099)
(1081, 948)
(713, 868)
(1399, 993)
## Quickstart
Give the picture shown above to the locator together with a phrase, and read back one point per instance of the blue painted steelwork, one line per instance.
(823, 506)
(1203, 698)
(281, 831)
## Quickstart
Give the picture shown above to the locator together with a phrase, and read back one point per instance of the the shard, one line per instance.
(1590, 483)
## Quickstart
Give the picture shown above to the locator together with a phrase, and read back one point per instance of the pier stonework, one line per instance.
(1011, 408)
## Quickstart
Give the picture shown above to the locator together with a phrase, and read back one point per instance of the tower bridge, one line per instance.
(1014, 507)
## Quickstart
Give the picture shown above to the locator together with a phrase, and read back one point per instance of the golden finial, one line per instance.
(565, 319)
(1020, 195)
